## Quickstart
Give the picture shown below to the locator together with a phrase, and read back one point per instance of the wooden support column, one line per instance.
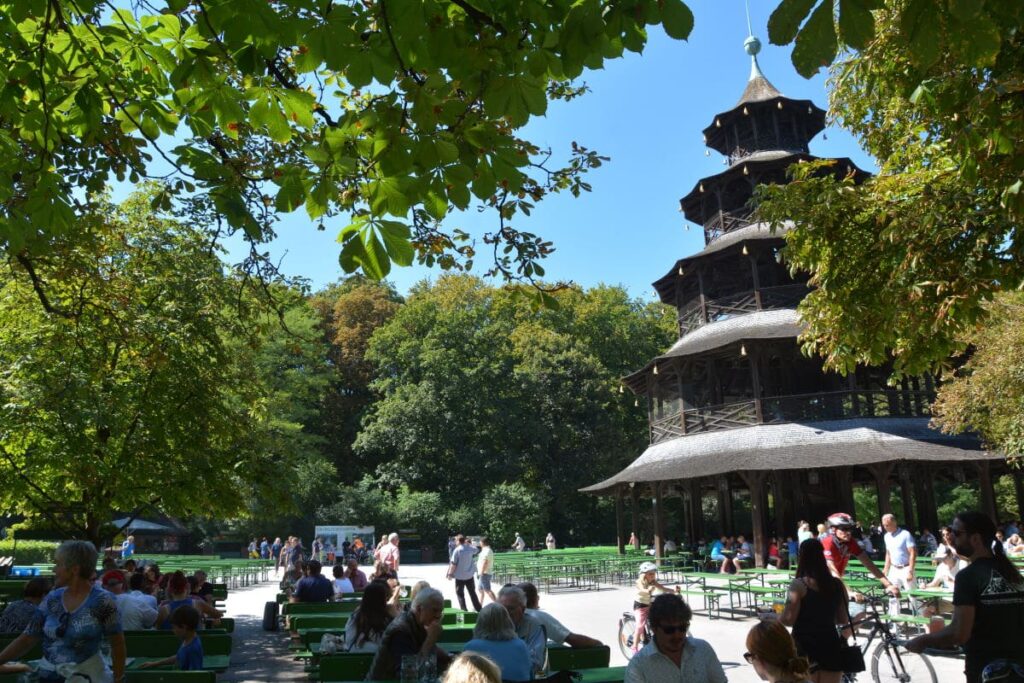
(906, 491)
(785, 521)
(988, 493)
(881, 471)
(700, 286)
(725, 505)
(925, 495)
(696, 509)
(620, 529)
(754, 355)
(634, 498)
(1018, 485)
(659, 527)
(758, 514)
(844, 488)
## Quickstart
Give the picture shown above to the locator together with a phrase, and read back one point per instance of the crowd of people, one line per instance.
(81, 616)
(972, 559)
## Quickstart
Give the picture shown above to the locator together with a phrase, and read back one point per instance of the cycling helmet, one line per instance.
(648, 567)
(841, 520)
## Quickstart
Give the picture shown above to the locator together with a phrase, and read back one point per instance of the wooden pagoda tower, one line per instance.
(734, 404)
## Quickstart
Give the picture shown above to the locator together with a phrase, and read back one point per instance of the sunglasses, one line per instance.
(62, 626)
(669, 630)
(1002, 669)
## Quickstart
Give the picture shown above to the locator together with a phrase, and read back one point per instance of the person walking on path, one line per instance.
(461, 569)
(485, 568)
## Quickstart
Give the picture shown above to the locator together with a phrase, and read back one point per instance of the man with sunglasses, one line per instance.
(672, 656)
(840, 545)
(988, 606)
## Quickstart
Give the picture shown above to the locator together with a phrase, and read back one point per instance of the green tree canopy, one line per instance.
(905, 262)
(127, 394)
(390, 113)
(479, 389)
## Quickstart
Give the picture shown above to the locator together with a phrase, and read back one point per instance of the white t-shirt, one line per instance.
(553, 627)
(342, 586)
(898, 546)
(485, 560)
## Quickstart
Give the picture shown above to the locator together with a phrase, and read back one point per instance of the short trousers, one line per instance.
(485, 582)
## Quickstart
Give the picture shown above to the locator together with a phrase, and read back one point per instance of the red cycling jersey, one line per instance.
(839, 553)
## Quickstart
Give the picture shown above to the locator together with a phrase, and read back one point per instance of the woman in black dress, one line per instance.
(816, 604)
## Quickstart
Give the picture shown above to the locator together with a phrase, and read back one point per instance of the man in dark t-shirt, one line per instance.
(313, 587)
(988, 601)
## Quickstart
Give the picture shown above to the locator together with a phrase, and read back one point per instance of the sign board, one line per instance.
(337, 535)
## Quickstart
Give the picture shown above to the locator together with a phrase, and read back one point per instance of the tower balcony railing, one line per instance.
(698, 313)
(722, 222)
(788, 145)
(817, 407)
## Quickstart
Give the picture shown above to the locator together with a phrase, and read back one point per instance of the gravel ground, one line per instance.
(262, 656)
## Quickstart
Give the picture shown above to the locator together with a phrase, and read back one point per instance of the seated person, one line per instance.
(184, 623)
(494, 635)
(17, 614)
(556, 632)
(718, 549)
(365, 628)
(774, 555)
(513, 599)
(415, 632)
(202, 588)
(744, 553)
(342, 584)
(291, 577)
(313, 587)
(178, 595)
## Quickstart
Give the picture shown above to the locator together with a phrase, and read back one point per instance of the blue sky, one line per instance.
(644, 111)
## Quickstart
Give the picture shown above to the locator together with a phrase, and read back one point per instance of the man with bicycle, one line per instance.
(988, 606)
(840, 545)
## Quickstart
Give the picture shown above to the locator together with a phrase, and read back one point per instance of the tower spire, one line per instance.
(758, 87)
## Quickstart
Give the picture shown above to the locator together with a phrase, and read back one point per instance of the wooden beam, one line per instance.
(881, 471)
(620, 540)
(696, 509)
(988, 493)
(659, 528)
(906, 492)
(634, 497)
(758, 512)
(844, 488)
(725, 505)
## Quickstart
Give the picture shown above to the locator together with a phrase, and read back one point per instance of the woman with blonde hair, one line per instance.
(470, 667)
(495, 636)
(772, 653)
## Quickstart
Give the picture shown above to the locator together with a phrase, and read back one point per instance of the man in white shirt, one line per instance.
(900, 554)
(672, 656)
(555, 630)
(136, 614)
(389, 553)
(461, 569)
(485, 568)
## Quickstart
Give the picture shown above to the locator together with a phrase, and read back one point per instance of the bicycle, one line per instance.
(627, 632)
(889, 660)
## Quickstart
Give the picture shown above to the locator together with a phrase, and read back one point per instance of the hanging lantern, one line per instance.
(746, 112)
(780, 104)
(718, 123)
(743, 350)
(680, 270)
(701, 187)
(745, 252)
(622, 389)
(809, 110)
(655, 369)
(746, 171)
(636, 403)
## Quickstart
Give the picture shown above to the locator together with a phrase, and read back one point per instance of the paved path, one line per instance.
(263, 657)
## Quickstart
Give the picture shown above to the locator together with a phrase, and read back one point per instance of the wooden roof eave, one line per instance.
(714, 135)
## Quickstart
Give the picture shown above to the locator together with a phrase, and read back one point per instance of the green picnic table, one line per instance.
(210, 662)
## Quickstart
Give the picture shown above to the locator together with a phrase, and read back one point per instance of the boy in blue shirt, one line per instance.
(184, 623)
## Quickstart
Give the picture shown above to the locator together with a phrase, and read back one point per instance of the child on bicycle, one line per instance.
(646, 584)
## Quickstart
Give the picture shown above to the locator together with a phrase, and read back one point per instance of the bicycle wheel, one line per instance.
(627, 631)
(896, 665)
